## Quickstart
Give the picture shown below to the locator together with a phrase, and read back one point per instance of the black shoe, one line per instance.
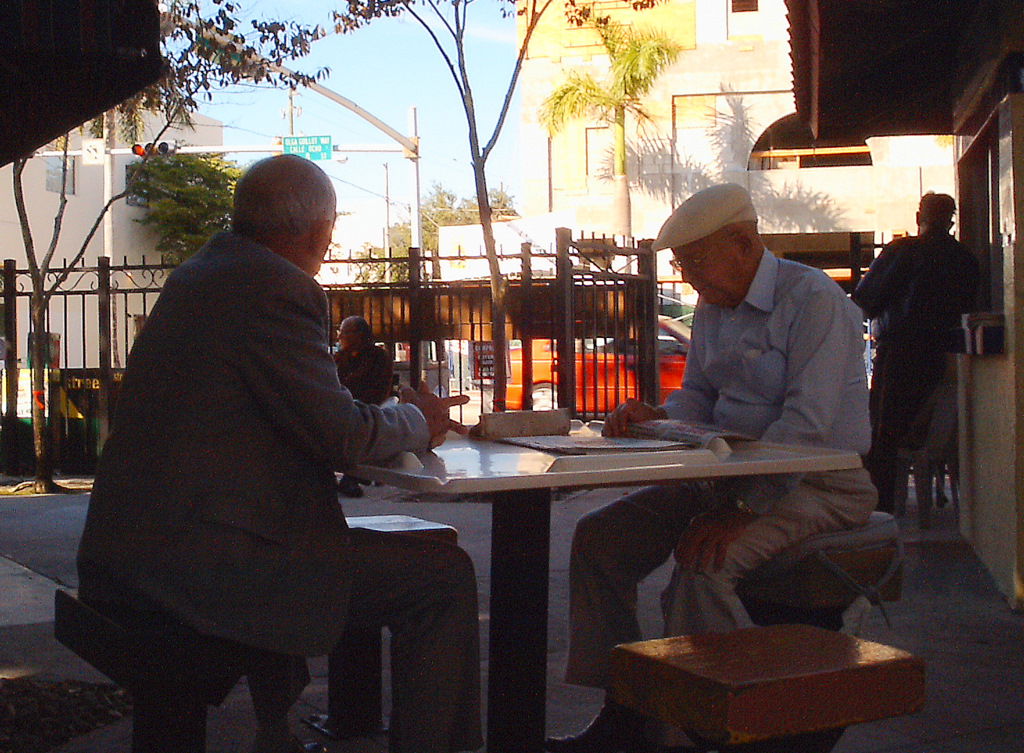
(349, 487)
(615, 729)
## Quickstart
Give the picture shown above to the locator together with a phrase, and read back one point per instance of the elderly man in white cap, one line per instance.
(776, 353)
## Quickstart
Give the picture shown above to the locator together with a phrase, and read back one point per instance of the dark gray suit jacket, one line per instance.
(215, 496)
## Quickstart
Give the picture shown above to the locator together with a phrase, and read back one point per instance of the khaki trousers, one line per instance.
(617, 546)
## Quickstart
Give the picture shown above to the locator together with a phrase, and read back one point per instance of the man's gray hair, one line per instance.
(282, 195)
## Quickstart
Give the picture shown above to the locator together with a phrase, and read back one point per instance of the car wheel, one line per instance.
(544, 397)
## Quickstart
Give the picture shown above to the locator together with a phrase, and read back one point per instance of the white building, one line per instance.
(130, 242)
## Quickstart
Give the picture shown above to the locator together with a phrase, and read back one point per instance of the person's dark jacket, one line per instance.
(918, 287)
(215, 496)
(366, 373)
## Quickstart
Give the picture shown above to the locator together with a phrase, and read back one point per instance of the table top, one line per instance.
(464, 465)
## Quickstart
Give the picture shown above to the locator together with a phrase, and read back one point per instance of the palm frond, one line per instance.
(613, 37)
(641, 59)
(579, 95)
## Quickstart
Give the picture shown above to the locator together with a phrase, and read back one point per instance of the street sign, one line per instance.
(310, 147)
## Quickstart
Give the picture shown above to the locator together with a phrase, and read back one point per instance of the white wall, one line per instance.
(131, 241)
(992, 393)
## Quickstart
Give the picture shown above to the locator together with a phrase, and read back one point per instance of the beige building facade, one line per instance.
(724, 111)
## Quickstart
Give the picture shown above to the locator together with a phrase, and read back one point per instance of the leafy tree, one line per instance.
(637, 58)
(442, 207)
(188, 197)
(502, 203)
(400, 239)
(205, 51)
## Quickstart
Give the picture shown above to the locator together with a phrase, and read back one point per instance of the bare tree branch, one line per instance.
(437, 43)
(516, 70)
(58, 218)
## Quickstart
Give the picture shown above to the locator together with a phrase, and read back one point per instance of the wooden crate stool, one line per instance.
(817, 581)
(777, 689)
(354, 667)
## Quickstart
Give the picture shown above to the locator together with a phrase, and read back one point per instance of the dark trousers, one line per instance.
(903, 377)
(424, 592)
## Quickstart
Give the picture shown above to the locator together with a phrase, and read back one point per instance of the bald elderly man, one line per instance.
(776, 353)
(215, 502)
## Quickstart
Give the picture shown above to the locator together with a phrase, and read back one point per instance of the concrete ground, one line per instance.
(950, 615)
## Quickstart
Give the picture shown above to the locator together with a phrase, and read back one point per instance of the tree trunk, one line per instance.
(44, 483)
(622, 223)
(498, 287)
(621, 209)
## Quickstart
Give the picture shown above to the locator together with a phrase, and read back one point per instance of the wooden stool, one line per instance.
(354, 667)
(817, 580)
(172, 671)
(778, 689)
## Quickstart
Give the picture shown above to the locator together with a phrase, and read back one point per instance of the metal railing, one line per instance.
(590, 315)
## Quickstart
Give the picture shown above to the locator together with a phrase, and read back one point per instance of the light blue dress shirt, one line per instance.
(786, 365)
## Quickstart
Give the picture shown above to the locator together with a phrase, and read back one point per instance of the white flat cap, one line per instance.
(704, 213)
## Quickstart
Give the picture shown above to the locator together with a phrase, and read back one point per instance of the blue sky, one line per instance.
(386, 68)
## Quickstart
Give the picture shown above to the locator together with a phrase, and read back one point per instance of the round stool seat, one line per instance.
(830, 570)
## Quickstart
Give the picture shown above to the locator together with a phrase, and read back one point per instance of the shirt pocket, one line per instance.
(765, 373)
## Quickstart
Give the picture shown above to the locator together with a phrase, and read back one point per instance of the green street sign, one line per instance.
(310, 147)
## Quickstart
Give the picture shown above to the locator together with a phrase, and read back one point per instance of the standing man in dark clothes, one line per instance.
(366, 370)
(915, 291)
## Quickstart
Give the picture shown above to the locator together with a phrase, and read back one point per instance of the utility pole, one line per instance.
(291, 111)
(414, 159)
(109, 134)
(387, 214)
(108, 182)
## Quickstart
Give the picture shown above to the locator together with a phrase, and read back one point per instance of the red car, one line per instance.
(605, 374)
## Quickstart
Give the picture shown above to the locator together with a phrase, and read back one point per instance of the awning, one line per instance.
(876, 67)
(63, 62)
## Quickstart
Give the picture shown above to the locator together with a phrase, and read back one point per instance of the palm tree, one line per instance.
(638, 57)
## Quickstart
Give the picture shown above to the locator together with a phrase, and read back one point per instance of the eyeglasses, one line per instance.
(688, 263)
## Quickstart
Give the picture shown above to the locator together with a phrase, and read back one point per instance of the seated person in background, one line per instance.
(215, 500)
(776, 353)
(366, 370)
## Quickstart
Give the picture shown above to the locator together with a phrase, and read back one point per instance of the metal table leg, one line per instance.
(516, 692)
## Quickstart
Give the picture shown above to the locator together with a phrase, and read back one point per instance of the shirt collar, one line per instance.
(761, 293)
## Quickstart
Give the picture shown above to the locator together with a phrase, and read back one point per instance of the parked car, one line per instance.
(605, 370)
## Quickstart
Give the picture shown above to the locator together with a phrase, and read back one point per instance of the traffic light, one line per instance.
(161, 148)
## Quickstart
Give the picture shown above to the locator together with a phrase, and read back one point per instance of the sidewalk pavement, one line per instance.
(950, 614)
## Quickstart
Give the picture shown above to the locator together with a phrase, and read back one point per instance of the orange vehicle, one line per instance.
(605, 374)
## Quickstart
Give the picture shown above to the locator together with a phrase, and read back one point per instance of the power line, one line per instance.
(361, 188)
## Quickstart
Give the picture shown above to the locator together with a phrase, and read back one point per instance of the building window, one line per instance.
(599, 151)
(744, 6)
(54, 170)
(694, 111)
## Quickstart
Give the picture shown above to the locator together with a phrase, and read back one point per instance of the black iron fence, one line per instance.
(580, 323)
(91, 322)
(581, 327)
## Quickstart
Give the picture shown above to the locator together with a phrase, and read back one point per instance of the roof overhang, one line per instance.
(866, 68)
(58, 70)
